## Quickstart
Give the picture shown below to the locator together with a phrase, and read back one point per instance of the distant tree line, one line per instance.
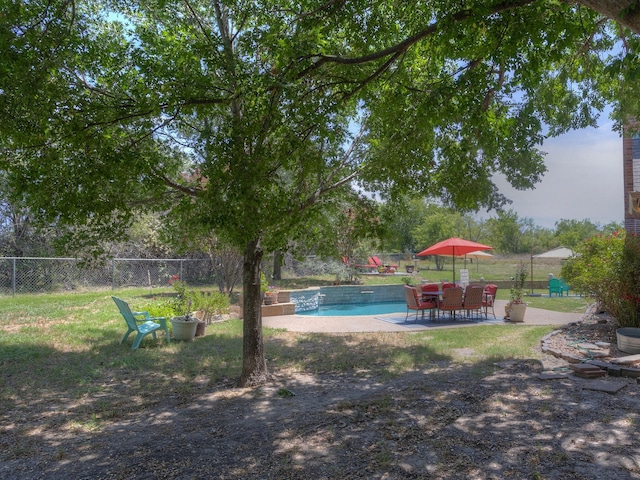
(412, 224)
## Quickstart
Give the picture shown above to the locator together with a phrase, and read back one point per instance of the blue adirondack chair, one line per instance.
(565, 287)
(142, 326)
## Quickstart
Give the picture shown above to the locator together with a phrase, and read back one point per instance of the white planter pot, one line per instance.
(628, 340)
(517, 312)
(184, 330)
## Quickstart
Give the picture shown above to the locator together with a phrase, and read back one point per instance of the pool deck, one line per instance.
(373, 323)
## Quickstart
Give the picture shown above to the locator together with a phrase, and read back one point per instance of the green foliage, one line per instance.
(438, 223)
(183, 300)
(163, 307)
(257, 140)
(608, 268)
(570, 233)
(507, 232)
(210, 304)
(401, 216)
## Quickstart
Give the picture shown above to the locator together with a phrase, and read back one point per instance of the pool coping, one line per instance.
(369, 323)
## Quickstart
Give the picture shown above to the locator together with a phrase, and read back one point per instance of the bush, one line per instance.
(210, 304)
(159, 308)
(608, 268)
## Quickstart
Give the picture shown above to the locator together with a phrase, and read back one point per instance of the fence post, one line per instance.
(181, 278)
(113, 274)
(13, 279)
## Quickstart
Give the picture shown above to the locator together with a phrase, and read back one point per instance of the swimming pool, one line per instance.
(355, 309)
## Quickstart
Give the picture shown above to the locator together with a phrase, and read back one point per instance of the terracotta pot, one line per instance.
(201, 328)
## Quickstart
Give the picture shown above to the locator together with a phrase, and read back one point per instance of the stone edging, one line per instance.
(610, 368)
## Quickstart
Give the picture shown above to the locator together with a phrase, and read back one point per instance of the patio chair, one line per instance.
(382, 267)
(564, 287)
(430, 292)
(415, 303)
(451, 300)
(472, 300)
(555, 287)
(142, 326)
(360, 267)
(446, 285)
(489, 298)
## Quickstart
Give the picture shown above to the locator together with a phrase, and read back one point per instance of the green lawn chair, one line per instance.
(143, 326)
(555, 287)
(564, 287)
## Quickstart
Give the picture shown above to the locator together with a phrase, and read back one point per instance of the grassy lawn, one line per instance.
(63, 366)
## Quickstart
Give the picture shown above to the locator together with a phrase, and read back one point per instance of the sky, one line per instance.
(583, 180)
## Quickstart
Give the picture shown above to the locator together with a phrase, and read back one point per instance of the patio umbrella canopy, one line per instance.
(477, 255)
(454, 247)
(561, 252)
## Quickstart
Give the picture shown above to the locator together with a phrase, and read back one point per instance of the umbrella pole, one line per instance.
(532, 270)
(454, 269)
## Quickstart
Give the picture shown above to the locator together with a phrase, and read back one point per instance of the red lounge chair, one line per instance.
(387, 268)
(369, 266)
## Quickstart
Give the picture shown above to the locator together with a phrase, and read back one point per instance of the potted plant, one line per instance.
(269, 293)
(516, 308)
(184, 324)
(272, 295)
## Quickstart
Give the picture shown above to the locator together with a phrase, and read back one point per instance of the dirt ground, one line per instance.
(442, 421)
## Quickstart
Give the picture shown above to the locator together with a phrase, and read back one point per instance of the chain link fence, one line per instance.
(24, 275)
(40, 275)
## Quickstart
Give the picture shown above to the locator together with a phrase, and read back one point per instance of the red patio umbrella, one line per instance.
(454, 247)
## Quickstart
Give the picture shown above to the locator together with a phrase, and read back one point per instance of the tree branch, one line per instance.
(407, 43)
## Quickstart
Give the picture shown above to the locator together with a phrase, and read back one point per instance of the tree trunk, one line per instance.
(254, 365)
(624, 12)
(277, 265)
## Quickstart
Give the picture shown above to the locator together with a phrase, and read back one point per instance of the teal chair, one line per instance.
(564, 287)
(555, 287)
(142, 326)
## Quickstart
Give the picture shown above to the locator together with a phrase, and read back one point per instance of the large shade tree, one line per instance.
(250, 118)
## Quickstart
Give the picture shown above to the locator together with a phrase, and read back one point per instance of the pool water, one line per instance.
(354, 309)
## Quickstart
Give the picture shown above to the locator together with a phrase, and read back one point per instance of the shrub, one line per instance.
(159, 308)
(608, 268)
(182, 302)
(210, 304)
